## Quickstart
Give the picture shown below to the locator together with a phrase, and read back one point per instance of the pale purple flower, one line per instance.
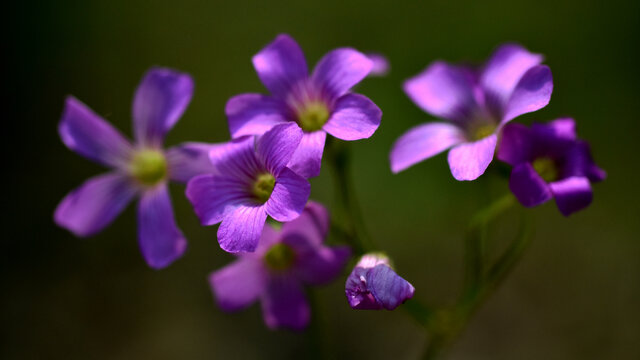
(275, 273)
(250, 180)
(477, 104)
(142, 169)
(549, 161)
(318, 103)
(373, 285)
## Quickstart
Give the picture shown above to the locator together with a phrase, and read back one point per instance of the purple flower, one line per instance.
(549, 161)
(250, 180)
(380, 64)
(140, 170)
(319, 103)
(275, 273)
(477, 105)
(373, 285)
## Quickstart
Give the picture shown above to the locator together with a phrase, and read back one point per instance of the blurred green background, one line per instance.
(575, 295)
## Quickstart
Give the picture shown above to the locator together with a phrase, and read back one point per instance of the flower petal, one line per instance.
(532, 93)
(572, 194)
(528, 187)
(238, 284)
(423, 142)
(313, 224)
(443, 90)
(237, 158)
(289, 196)
(280, 65)
(387, 287)
(95, 204)
(213, 196)
(578, 162)
(354, 117)
(188, 160)
(161, 98)
(307, 159)
(284, 304)
(357, 291)
(276, 147)
(380, 64)
(89, 135)
(470, 160)
(161, 241)
(516, 144)
(319, 265)
(254, 114)
(504, 70)
(561, 128)
(340, 69)
(241, 228)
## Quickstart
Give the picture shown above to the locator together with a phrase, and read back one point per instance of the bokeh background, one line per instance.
(575, 295)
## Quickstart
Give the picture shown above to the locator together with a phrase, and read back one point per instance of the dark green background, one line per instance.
(575, 295)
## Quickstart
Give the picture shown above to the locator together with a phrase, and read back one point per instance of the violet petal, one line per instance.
(387, 287)
(307, 159)
(528, 187)
(280, 65)
(532, 93)
(354, 117)
(341, 69)
(238, 284)
(284, 304)
(241, 228)
(254, 114)
(289, 196)
(516, 144)
(470, 160)
(276, 147)
(572, 194)
(214, 196)
(188, 160)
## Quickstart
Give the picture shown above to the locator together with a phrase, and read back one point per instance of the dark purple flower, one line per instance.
(275, 273)
(373, 285)
(549, 161)
(143, 169)
(477, 105)
(250, 180)
(319, 103)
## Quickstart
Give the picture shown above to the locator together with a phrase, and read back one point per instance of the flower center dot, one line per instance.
(263, 187)
(546, 168)
(313, 115)
(149, 167)
(482, 131)
(279, 257)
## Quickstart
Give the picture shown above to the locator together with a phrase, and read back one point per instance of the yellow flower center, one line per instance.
(279, 257)
(263, 187)
(149, 167)
(546, 168)
(312, 116)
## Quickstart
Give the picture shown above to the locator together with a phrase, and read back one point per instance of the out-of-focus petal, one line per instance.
(284, 304)
(528, 187)
(280, 65)
(504, 70)
(95, 204)
(387, 287)
(254, 114)
(161, 98)
(312, 224)
(160, 239)
(380, 64)
(341, 69)
(307, 159)
(214, 196)
(238, 284)
(241, 228)
(516, 144)
(276, 147)
(444, 91)
(423, 142)
(470, 160)
(572, 194)
(188, 160)
(532, 93)
(578, 162)
(354, 117)
(289, 196)
(318, 265)
(89, 135)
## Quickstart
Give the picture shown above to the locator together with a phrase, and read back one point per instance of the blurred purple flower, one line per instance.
(373, 285)
(477, 105)
(275, 273)
(250, 180)
(319, 103)
(549, 161)
(380, 64)
(143, 169)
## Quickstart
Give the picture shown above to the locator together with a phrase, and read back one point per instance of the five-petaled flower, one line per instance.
(319, 103)
(275, 273)
(477, 105)
(142, 169)
(549, 161)
(373, 285)
(250, 180)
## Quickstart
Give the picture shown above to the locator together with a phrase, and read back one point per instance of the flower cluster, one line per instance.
(256, 185)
